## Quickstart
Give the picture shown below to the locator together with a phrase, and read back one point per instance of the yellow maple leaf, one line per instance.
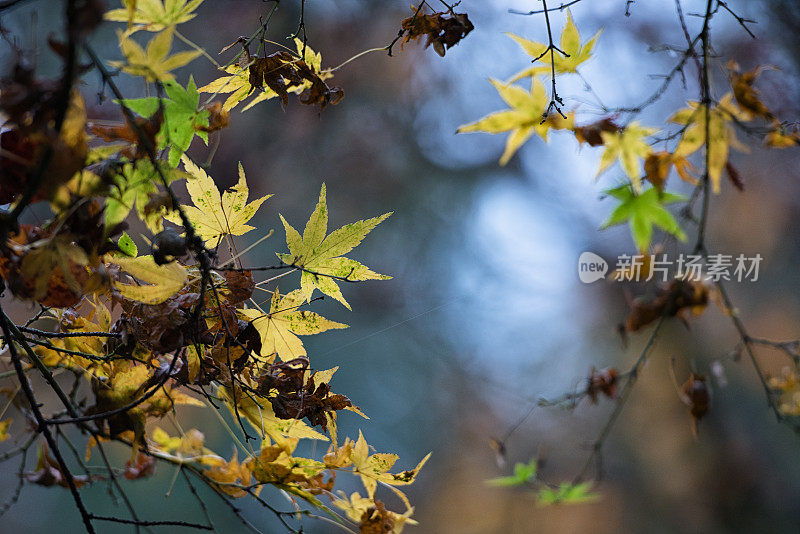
(374, 468)
(259, 413)
(523, 119)
(164, 441)
(230, 475)
(126, 381)
(237, 83)
(163, 281)
(370, 467)
(279, 328)
(721, 134)
(97, 320)
(276, 465)
(154, 15)
(570, 44)
(320, 257)
(153, 63)
(629, 147)
(186, 448)
(213, 216)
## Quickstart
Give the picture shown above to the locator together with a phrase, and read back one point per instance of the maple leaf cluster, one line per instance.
(138, 300)
(631, 145)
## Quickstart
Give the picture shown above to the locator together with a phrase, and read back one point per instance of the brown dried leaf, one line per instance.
(376, 520)
(444, 29)
(603, 381)
(592, 133)
(48, 472)
(218, 118)
(673, 299)
(148, 128)
(747, 96)
(239, 286)
(144, 467)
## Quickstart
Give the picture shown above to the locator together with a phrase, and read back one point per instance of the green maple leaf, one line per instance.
(523, 474)
(321, 257)
(181, 117)
(642, 212)
(134, 186)
(567, 493)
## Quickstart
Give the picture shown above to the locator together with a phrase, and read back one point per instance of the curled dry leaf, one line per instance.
(160, 327)
(303, 77)
(296, 394)
(443, 30)
(239, 286)
(141, 132)
(218, 118)
(591, 133)
(282, 70)
(144, 467)
(746, 95)
(603, 382)
(49, 270)
(48, 472)
(677, 298)
(375, 520)
(658, 165)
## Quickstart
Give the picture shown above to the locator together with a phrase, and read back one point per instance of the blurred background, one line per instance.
(485, 313)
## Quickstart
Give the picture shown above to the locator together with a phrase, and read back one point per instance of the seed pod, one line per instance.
(168, 246)
(603, 381)
(697, 397)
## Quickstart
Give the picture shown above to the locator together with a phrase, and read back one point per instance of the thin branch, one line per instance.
(43, 333)
(742, 21)
(555, 100)
(561, 7)
(748, 342)
(197, 526)
(43, 428)
(627, 388)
